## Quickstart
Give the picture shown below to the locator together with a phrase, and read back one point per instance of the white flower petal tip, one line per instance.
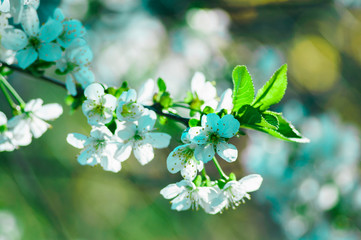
(251, 182)
(76, 140)
(94, 91)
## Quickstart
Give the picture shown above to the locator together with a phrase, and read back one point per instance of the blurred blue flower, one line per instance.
(34, 41)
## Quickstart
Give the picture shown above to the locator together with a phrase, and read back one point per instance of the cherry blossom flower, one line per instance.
(182, 159)
(75, 62)
(34, 41)
(98, 107)
(72, 29)
(187, 195)
(34, 116)
(139, 136)
(212, 135)
(128, 109)
(225, 102)
(146, 92)
(98, 148)
(204, 90)
(234, 192)
(12, 138)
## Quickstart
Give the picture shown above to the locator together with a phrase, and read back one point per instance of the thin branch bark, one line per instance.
(44, 78)
(154, 107)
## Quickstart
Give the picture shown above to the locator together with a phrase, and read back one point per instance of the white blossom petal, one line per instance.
(251, 182)
(172, 190)
(182, 202)
(3, 119)
(204, 153)
(123, 152)
(126, 130)
(26, 57)
(50, 30)
(30, 21)
(143, 152)
(147, 121)
(109, 101)
(157, 140)
(189, 171)
(210, 122)
(146, 92)
(227, 151)
(49, 111)
(226, 101)
(110, 164)
(49, 52)
(76, 140)
(14, 39)
(205, 90)
(177, 158)
(228, 126)
(197, 135)
(21, 134)
(131, 95)
(87, 157)
(94, 91)
(38, 127)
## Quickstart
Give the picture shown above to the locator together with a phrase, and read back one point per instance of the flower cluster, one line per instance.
(29, 122)
(201, 144)
(122, 122)
(59, 40)
(108, 145)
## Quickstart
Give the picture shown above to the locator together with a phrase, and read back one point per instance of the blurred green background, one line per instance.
(310, 191)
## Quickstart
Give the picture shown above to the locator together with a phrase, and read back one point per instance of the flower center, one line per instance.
(214, 138)
(99, 144)
(187, 153)
(99, 109)
(34, 42)
(137, 137)
(71, 66)
(128, 109)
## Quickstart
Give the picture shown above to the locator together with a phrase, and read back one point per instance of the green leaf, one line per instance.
(161, 85)
(286, 131)
(243, 90)
(270, 118)
(252, 117)
(249, 115)
(272, 92)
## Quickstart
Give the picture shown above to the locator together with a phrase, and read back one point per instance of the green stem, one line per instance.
(186, 107)
(219, 168)
(7, 96)
(12, 91)
(204, 173)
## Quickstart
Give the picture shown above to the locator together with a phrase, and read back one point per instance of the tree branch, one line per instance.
(44, 78)
(168, 115)
(154, 107)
